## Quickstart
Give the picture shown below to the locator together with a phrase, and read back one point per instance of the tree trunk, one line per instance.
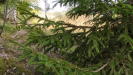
(130, 26)
(130, 1)
(12, 15)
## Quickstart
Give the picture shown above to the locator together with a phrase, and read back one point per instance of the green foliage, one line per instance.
(45, 65)
(109, 41)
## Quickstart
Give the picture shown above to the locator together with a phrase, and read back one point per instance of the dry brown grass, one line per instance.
(60, 16)
(79, 21)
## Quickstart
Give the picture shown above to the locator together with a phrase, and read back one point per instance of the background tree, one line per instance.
(12, 9)
(47, 7)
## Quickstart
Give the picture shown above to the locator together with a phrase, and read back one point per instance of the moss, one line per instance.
(2, 66)
(12, 67)
(21, 69)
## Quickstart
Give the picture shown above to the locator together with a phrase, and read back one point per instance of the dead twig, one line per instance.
(102, 67)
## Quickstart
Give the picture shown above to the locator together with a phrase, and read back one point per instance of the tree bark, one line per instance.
(130, 1)
(12, 15)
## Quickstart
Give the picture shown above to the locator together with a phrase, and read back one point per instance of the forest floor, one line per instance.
(9, 55)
